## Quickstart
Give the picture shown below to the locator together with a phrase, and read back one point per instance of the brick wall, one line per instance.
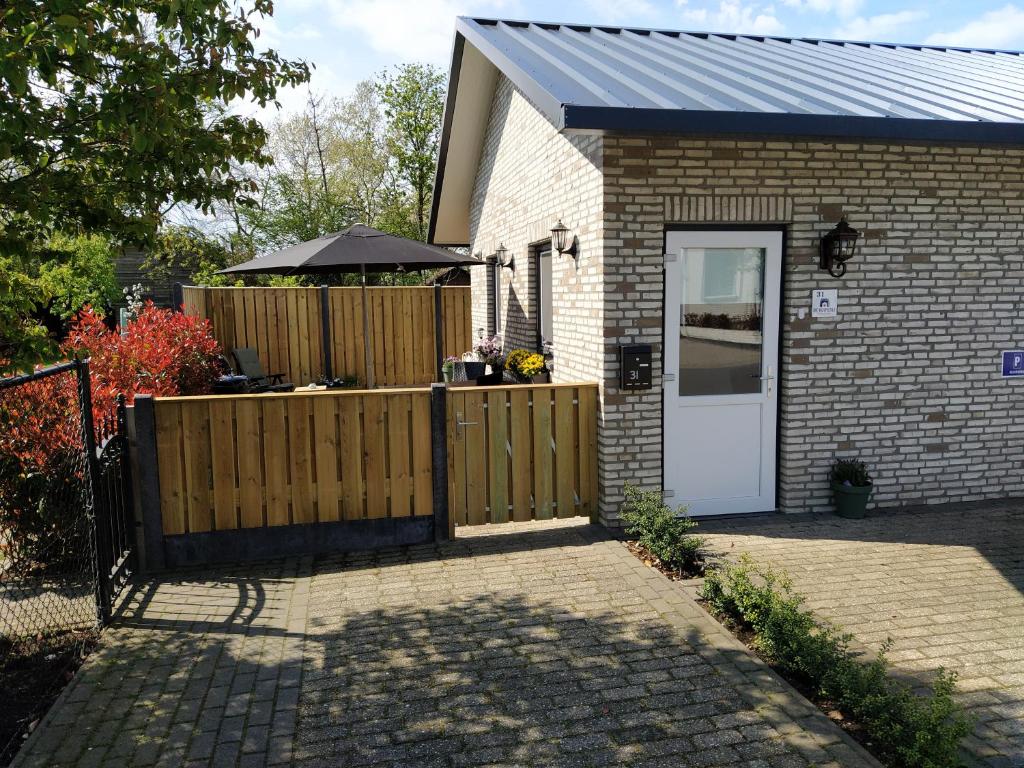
(529, 176)
(907, 377)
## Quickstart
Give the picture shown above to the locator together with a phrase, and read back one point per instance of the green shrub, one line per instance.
(661, 530)
(850, 472)
(911, 730)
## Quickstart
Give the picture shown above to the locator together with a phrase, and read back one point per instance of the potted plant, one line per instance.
(851, 487)
(448, 368)
(489, 351)
(524, 365)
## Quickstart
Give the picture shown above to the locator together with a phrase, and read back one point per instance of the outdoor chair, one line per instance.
(249, 365)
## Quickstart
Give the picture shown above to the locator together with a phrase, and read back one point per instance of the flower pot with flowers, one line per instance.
(448, 368)
(851, 487)
(525, 366)
(488, 350)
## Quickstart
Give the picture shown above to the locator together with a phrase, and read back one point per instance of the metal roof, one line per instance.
(599, 79)
(626, 79)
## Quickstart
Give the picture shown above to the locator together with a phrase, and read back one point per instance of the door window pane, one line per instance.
(720, 321)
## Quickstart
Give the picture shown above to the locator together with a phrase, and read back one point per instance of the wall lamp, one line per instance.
(837, 248)
(561, 241)
(504, 258)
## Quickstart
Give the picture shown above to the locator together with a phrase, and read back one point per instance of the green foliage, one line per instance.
(909, 730)
(192, 250)
(78, 271)
(413, 97)
(23, 341)
(661, 530)
(850, 472)
(104, 111)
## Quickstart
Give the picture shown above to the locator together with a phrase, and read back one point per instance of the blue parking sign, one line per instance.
(1013, 363)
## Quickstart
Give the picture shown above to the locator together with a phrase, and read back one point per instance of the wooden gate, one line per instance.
(522, 452)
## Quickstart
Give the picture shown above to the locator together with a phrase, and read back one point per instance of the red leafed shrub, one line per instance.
(41, 460)
(161, 353)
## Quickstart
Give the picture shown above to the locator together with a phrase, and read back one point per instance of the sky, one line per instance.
(352, 40)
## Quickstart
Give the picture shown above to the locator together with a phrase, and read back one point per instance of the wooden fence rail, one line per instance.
(522, 452)
(254, 461)
(284, 326)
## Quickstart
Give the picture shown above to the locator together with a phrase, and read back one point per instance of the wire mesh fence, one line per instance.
(48, 572)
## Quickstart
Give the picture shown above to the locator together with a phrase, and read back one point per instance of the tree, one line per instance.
(413, 97)
(78, 271)
(103, 107)
(105, 119)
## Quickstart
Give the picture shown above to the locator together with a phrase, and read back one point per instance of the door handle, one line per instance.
(460, 424)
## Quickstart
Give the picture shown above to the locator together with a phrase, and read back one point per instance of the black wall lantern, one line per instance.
(504, 258)
(837, 248)
(561, 241)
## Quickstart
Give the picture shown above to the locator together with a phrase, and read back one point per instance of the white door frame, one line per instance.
(760, 477)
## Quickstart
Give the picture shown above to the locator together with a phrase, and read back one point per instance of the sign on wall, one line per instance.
(824, 302)
(1013, 363)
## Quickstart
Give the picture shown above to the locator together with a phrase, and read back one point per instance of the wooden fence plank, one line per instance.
(457, 457)
(195, 429)
(542, 463)
(522, 449)
(327, 454)
(300, 459)
(352, 472)
(566, 457)
(275, 453)
(399, 446)
(374, 457)
(250, 471)
(497, 438)
(223, 451)
(169, 450)
(475, 431)
(422, 471)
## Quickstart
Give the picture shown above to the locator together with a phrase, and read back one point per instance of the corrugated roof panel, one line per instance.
(592, 71)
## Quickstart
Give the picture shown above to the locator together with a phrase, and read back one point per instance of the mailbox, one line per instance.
(635, 366)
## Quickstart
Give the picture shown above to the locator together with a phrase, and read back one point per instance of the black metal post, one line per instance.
(325, 330)
(439, 458)
(100, 521)
(438, 332)
(127, 488)
(177, 297)
(149, 485)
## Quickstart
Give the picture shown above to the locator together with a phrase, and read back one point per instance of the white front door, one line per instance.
(720, 360)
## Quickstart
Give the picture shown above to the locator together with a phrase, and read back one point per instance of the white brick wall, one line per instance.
(907, 377)
(529, 176)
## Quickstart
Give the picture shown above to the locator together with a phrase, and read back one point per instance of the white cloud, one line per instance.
(1002, 28)
(629, 11)
(734, 16)
(842, 8)
(879, 28)
(422, 30)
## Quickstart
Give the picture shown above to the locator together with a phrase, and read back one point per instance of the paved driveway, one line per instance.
(546, 645)
(946, 585)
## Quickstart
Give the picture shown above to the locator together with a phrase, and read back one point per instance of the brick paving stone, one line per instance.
(945, 584)
(543, 644)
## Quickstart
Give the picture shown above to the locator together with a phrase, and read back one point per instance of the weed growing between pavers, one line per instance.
(901, 727)
(663, 535)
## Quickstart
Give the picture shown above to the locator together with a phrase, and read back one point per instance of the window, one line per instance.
(545, 315)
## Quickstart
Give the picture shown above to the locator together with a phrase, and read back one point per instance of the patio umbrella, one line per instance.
(359, 249)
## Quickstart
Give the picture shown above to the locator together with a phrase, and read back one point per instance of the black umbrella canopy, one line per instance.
(356, 249)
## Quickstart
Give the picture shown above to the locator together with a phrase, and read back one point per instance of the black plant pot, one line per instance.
(472, 370)
(851, 500)
(488, 379)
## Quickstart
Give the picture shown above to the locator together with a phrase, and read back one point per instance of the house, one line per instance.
(704, 181)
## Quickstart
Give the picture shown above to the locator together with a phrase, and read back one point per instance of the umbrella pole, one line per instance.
(367, 354)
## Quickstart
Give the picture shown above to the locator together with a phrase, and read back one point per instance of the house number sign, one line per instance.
(635, 366)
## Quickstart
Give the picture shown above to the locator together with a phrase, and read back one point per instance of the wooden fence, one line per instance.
(254, 461)
(240, 476)
(522, 452)
(284, 325)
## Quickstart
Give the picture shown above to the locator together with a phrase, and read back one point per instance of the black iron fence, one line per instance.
(65, 535)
